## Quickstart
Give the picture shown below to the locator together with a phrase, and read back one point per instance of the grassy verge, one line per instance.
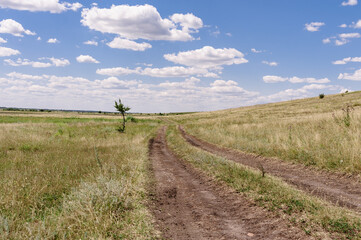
(314, 132)
(311, 214)
(78, 180)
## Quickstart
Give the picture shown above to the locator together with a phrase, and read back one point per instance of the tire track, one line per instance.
(188, 205)
(340, 190)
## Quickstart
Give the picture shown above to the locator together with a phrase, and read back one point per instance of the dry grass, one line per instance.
(314, 216)
(310, 131)
(74, 181)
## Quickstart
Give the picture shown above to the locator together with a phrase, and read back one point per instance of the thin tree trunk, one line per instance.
(123, 122)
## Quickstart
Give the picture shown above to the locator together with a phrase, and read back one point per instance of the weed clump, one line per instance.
(321, 96)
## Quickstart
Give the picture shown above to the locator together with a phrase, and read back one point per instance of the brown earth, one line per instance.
(189, 205)
(339, 189)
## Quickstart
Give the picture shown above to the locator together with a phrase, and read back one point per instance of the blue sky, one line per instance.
(184, 56)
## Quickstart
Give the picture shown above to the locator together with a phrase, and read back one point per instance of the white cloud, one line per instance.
(308, 80)
(188, 22)
(229, 34)
(6, 52)
(349, 3)
(37, 64)
(91, 42)
(118, 71)
(189, 83)
(11, 26)
(356, 76)
(39, 38)
(53, 40)
(140, 22)
(2, 40)
(356, 24)
(342, 38)
(326, 40)
(347, 60)
(115, 83)
(16, 75)
(275, 79)
(176, 71)
(256, 51)
(349, 35)
(58, 62)
(343, 25)
(208, 57)
(230, 88)
(86, 59)
(122, 43)
(272, 64)
(314, 26)
(52, 6)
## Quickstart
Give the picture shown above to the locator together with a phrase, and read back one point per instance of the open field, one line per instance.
(74, 180)
(73, 176)
(314, 132)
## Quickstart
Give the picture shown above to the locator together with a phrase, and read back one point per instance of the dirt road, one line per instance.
(341, 190)
(188, 205)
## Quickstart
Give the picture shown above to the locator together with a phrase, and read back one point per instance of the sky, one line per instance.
(176, 56)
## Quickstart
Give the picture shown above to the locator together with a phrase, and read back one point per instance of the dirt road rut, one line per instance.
(340, 190)
(188, 205)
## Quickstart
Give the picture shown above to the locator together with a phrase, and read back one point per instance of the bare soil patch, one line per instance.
(189, 205)
(339, 189)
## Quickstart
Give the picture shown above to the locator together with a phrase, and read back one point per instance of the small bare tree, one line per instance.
(119, 106)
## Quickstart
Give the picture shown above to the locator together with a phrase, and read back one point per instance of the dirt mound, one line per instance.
(188, 205)
(340, 190)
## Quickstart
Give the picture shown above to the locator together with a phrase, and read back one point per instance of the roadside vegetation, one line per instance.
(314, 216)
(75, 178)
(323, 133)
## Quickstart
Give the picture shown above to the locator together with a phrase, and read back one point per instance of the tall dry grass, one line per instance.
(309, 131)
(74, 181)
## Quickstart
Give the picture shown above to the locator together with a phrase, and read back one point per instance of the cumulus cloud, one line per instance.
(6, 52)
(176, 71)
(115, 83)
(53, 6)
(349, 3)
(2, 40)
(51, 62)
(188, 22)
(11, 26)
(189, 83)
(272, 64)
(342, 38)
(273, 79)
(140, 22)
(122, 43)
(347, 60)
(16, 75)
(91, 42)
(207, 57)
(276, 79)
(314, 26)
(356, 24)
(86, 59)
(356, 76)
(343, 25)
(229, 88)
(53, 40)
